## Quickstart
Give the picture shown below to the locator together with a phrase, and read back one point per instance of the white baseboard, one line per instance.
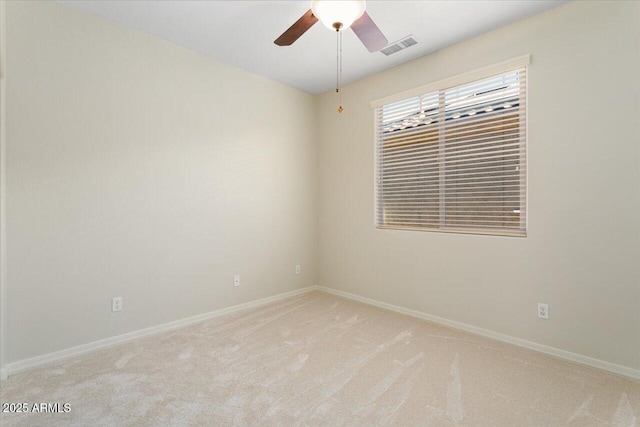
(12, 368)
(562, 354)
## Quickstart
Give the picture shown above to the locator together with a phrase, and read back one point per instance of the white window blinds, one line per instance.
(454, 159)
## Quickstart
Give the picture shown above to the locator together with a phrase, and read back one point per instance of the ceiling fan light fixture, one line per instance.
(338, 15)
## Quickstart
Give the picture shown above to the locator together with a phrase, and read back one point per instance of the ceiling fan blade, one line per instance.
(369, 33)
(296, 30)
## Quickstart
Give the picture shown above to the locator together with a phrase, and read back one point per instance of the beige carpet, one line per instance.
(317, 359)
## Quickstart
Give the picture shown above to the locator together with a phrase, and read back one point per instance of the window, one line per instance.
(453, 158)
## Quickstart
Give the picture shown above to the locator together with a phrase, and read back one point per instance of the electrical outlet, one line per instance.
(298, 269)
(236, 280)
(116, 304)
(543, 310)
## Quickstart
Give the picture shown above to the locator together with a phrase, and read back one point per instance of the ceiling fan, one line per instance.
(338, 16)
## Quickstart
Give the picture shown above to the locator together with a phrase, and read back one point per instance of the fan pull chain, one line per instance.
(339, 69)
(337, 60)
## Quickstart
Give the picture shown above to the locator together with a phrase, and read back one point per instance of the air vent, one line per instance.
(399, 45)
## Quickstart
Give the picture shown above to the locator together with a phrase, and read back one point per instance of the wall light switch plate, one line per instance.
(298, 269)
(236, 280)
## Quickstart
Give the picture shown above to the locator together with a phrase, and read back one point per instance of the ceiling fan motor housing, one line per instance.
(338, 15)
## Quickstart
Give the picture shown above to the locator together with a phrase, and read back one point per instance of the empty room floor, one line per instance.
(318, 359)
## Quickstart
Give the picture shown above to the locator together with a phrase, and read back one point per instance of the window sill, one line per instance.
(484, 232)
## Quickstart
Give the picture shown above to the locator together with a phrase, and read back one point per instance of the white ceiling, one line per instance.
(242, 32)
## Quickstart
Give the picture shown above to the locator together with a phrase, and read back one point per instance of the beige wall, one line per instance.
(582, 253)
(140, 169)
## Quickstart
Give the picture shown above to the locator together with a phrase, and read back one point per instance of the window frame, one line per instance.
(442, 86)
